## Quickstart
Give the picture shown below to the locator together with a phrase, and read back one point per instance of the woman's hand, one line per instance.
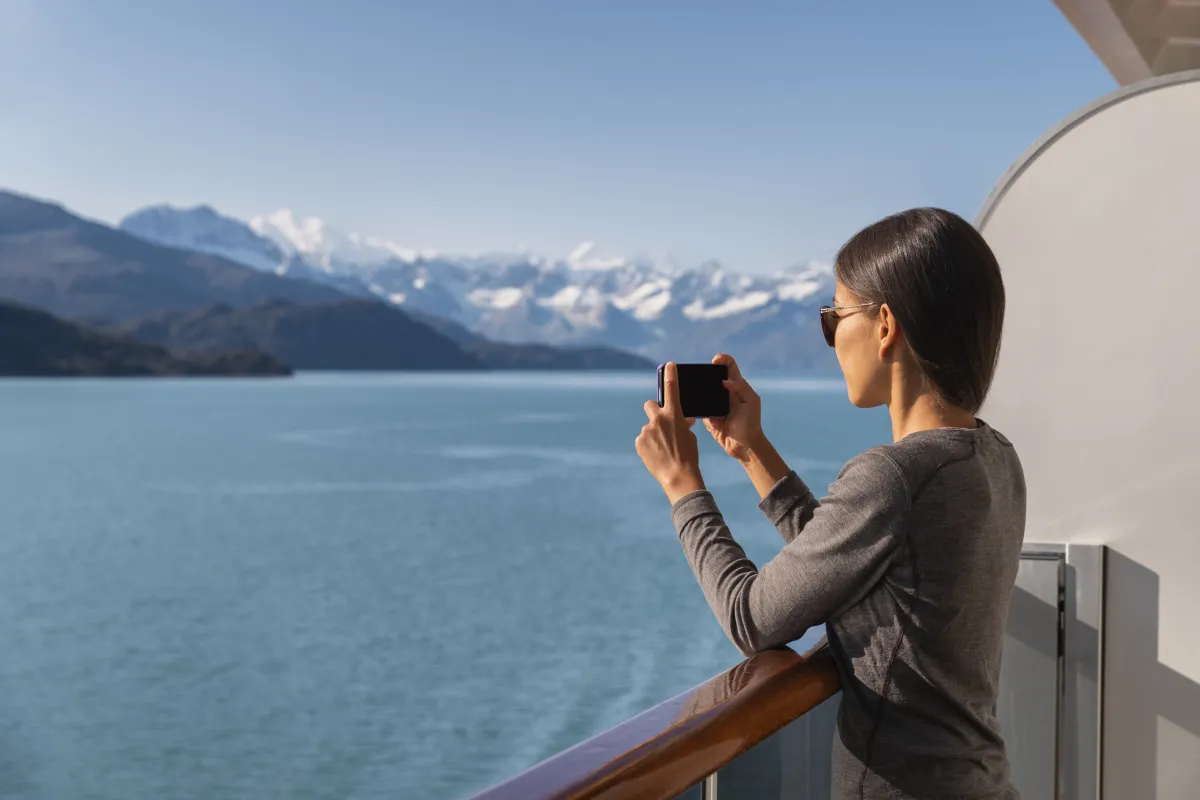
(740, 433)
(667, 445)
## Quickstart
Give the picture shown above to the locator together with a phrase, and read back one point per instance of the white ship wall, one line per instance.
(1097, 229)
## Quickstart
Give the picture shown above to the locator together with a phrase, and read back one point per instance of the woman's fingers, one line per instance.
(653, 409)
(671, 389)
(740, 389)
(728, 361)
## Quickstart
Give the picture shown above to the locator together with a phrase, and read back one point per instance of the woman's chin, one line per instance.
(862, 399)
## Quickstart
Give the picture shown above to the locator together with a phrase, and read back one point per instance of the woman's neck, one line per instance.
(914, 408)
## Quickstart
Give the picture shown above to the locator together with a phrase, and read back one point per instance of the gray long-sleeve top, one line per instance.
(910, 562)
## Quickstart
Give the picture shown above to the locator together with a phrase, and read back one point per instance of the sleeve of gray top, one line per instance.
(840, 554)
(789, 505)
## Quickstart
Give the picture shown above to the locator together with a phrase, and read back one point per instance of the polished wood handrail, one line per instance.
(662, 752)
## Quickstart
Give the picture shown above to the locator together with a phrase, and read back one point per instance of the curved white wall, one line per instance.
(1097, 230)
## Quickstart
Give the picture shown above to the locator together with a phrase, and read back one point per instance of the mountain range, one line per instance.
(196, 278)
(210, 297)
(650, 307)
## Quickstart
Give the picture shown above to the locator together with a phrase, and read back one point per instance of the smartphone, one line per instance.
(701, 391)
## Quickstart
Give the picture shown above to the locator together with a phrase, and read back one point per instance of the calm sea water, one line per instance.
(349, 586)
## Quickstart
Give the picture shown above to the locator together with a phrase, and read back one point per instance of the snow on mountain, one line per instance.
(585, 256)
(732, 305)
(202, 228)
(649, 305)
(326, 246)
(802, 282)
(500, 299)
(648, 300)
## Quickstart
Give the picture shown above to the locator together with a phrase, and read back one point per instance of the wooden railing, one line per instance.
(664, 751)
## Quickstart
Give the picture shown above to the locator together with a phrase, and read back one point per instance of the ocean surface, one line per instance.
(349, 586)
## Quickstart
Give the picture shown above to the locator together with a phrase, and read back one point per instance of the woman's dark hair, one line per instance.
(942, 283)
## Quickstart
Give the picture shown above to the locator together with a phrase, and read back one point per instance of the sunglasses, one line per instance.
(830, 318)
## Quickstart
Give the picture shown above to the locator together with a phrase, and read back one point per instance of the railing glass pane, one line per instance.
(793, 764)
(1028, 706)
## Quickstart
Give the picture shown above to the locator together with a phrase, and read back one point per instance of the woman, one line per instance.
(910, 560)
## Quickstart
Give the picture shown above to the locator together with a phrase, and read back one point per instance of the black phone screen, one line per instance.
(701, 393)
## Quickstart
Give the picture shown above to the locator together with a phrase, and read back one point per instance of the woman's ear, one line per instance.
(889, 332)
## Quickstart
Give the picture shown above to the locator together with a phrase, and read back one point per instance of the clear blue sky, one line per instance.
(760, 133)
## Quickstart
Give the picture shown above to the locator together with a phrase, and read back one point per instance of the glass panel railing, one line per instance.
(1051, 678)
(1028, 706)
(793, 764)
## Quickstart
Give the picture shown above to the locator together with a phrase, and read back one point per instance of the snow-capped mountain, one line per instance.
(203, 229)
(326, 247)
(648, 305)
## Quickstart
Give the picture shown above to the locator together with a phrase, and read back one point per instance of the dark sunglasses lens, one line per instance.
(828, 324)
